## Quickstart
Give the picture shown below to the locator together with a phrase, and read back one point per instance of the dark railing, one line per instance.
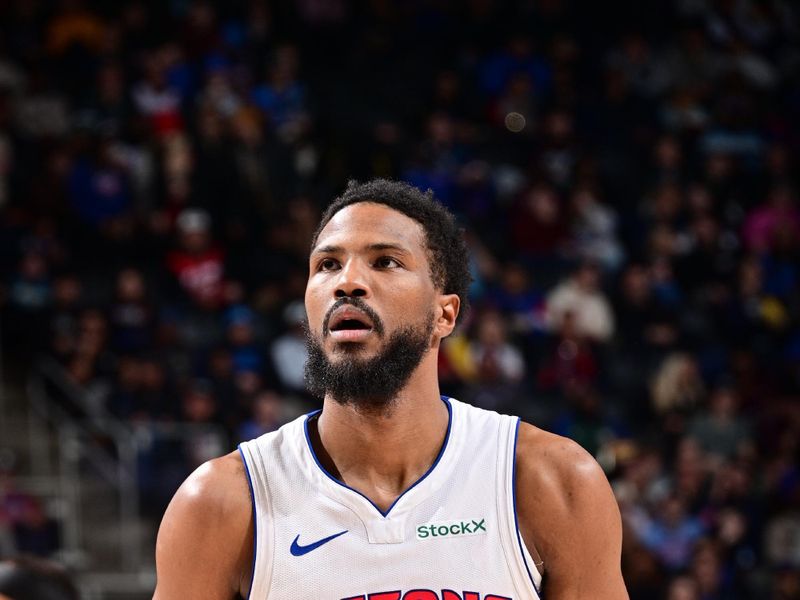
(91, 440)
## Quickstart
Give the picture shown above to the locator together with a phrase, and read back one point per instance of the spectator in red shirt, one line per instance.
(198, 263)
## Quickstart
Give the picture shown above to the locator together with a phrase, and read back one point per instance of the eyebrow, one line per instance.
(373, 247)
(326, 250)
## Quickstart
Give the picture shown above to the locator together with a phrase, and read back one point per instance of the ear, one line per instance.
(446, 314)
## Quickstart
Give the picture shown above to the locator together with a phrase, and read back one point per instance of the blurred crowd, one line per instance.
(626, 174)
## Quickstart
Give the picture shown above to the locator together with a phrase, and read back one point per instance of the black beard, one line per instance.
(370, 385)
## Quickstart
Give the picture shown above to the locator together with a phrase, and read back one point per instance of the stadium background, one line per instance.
(626, 173)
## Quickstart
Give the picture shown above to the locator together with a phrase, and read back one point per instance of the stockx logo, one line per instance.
(451, 529)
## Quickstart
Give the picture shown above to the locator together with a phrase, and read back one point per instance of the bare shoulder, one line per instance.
(219, 485)
(205, 540)
(568, 514)
(555, 467)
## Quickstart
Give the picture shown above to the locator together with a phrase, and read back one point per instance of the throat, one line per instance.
(380, 463)
(382, 499)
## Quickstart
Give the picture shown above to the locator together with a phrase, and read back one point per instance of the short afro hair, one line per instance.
(447, 249)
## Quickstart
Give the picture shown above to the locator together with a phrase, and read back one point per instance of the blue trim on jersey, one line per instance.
(417, 482)
(255, 520)
(514, 500)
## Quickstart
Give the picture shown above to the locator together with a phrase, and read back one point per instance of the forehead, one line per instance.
(370, 222)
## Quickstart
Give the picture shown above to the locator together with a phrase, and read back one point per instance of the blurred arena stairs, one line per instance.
(109, 552)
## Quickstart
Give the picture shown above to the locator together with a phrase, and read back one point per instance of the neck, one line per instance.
(382, 454)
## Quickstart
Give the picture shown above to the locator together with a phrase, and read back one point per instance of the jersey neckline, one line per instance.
(422, 478)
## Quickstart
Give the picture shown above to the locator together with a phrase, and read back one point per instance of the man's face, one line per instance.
(371, 304)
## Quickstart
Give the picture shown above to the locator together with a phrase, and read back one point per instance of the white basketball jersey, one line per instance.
(452, 535)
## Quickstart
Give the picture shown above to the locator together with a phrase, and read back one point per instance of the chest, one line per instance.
(447, 546)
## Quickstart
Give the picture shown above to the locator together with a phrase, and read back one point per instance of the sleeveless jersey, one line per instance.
(453, 535)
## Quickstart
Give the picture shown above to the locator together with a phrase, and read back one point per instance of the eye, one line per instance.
(387, 262)
(328, 264)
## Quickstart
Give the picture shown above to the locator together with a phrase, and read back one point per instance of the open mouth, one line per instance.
(349, 325)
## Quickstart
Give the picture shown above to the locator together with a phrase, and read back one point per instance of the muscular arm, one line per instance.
(205, 542)
(568, 513)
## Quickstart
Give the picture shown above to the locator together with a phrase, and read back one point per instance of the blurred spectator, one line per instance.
(42, 112)
(197, 263)
(124, 398)
(581, 296)
(219, 370)
(708, 263)
(538, 225)
(693, 63)
(677, 386)
(487, 360)
(246, 355)
(594, 230)
(517, 57)
(27, 578)
(12, 507)
(559, 150)
(786, 584)
(585, 420)
(752, 314)
(25, 525)
(108, 109)
(440, 156)
(720, 431)
(495, 359)
(155, 98)
(288, 351)
(708, 572)
(677, 390)
(777, 217)
(689, 477)
(199, 408)
(646, 323)
(519, 300)
(29, 294)
(782, 541)
(570, 361)
(67, 296)
(158, 396)
(267, 415)
(282, 97)
(672, 533)
(30, 289)
(34, 531)
(683, 588)
(197, 403)
(131, 317)
(635, 59)
(99, 188)
(74, 25)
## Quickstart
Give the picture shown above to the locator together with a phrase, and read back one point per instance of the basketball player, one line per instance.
(391, 492)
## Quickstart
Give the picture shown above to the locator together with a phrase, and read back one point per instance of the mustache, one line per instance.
(358, 303)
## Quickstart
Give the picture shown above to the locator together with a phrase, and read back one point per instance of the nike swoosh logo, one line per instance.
(298, 550)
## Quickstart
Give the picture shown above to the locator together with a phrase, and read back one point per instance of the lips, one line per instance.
(349, 324)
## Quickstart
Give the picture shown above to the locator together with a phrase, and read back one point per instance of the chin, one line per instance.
(347, 348)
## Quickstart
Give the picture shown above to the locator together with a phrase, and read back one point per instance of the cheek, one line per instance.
(410, 305)
(314, 309)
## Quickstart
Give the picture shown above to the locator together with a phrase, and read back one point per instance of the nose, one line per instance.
(352, 281)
